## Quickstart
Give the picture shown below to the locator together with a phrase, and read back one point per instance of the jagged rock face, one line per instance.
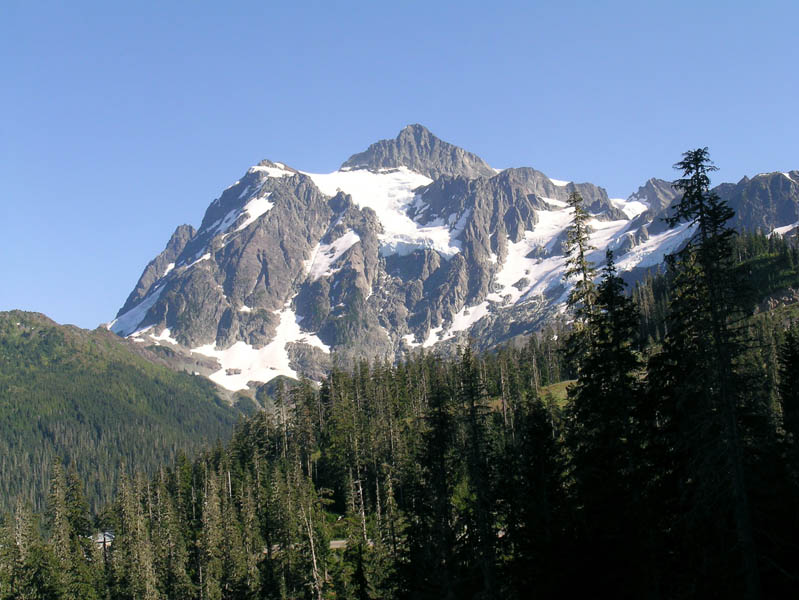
(422, 152)
(160, 265)
(766, 201)
(414, 242)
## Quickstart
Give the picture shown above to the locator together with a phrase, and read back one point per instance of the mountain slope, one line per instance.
(96, 401)
(413, 242)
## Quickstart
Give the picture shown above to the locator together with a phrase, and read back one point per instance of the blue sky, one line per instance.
(120, 121)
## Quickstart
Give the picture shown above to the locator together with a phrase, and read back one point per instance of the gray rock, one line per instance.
(252, 256)
(419, 150)
(157, 267)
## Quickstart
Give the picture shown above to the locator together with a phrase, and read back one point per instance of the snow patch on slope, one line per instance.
(461, 321)
(242, 363)
(279, 170)
(632, 207)
(551, 223)
(129, 322)
(325, 255)
(389, 193)
(603, 235)
(165, 336)
(785, 228)
(254, 209)
(524, 275)
(652, 252)
(206, 256)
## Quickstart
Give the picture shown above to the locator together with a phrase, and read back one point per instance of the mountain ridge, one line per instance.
(412, 243)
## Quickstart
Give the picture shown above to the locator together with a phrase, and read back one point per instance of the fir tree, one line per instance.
(788, 388)
(695, 377)
(602, 440)
(579, 269)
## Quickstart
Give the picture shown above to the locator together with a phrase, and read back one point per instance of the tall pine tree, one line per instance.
(582, 272)
(695, 377)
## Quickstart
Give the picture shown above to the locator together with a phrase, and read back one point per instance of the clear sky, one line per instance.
(121, 120)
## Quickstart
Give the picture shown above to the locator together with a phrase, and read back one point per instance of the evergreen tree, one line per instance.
(79, 563)
(31, 572)
(579, 269)
(602, 441)
(432, 568)
(169, 547)
(695, 379)
(788, 388)
(210, 542)
(531, 507)
(480, 539)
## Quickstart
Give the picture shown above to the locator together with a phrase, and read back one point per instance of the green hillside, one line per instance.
(96, 401)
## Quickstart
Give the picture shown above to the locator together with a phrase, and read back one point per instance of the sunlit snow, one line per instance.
(410, 340)
(254, 209)
(389, 193)
(523, 277)
(632, 207)
(433, 337)
(242, 363)
(165, 336)
(653, 251)
(461, 321)
(786, 228)
(279, 170)
(324, 255)
(127, 323)
(205, 256)
(603, 233)
(559, 182)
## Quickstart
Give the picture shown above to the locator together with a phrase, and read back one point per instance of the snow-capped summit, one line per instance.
(413, 242)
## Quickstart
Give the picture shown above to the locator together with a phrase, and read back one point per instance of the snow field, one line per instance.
(260, 364)
(389, 193)
(325, 255)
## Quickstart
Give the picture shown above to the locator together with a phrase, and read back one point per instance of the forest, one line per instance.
(87, 398)
(646, 448)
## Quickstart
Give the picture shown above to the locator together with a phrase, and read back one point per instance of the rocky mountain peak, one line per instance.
(160, 265)
(416, 148)
(413, 243)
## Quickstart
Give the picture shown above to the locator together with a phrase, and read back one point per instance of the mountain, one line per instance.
(412, 243)
(98, 402)
(420, 151)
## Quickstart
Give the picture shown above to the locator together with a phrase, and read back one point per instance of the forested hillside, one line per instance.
(89, 399)
(463, 478)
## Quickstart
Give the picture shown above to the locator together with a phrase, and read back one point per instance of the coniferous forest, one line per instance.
(649, 449)
(89, 399)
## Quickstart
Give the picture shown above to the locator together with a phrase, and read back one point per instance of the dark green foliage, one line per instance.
(699, 383)
(603, 438)
(789, 382)
(580, 272)
(86, 397)
(436, 479)
(578, 267)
